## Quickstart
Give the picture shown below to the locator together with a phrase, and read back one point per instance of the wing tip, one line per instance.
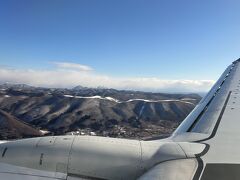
(236, 61)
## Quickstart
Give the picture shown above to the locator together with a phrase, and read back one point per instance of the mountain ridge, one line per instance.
(105, 112)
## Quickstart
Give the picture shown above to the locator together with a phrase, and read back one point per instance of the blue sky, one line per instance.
(122, 39)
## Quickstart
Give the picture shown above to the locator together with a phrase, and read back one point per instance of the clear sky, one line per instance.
(120, 40)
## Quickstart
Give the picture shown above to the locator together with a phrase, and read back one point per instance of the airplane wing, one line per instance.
(215, 122)
(204, 147)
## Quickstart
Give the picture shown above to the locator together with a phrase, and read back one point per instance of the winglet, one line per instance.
(235, 62)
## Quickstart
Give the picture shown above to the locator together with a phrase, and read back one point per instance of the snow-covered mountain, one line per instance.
(100, 111)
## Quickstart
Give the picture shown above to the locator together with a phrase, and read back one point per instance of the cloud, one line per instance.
(72, 66)
(68, 75)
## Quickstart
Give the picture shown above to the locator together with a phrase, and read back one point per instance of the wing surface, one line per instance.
(220, 105)
(215, 122)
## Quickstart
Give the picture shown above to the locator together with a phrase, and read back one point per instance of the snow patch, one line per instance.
(141, 111)
(68, 96)
(93, 97)
(112, 99)
(44, 132)
(1, 142)
(154, 101)
(130, 100)
(93, 134)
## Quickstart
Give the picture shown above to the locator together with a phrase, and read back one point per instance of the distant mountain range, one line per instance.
(26, 111)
